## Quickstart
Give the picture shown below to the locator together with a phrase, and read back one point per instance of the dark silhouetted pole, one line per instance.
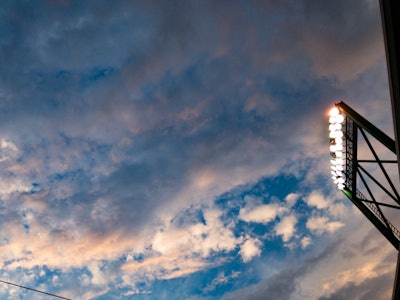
(390, 13)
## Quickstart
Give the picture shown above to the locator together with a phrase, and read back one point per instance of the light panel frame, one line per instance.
(336, 139)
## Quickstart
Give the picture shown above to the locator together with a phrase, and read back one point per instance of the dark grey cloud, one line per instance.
(73, 40)
(284, 283)
(374, 288)
(327, 33)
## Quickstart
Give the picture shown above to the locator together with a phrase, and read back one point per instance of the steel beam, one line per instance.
(390, 15)
(368, 126)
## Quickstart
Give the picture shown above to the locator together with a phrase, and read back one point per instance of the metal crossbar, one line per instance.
(378, 214)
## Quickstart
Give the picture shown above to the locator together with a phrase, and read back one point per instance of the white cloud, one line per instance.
(4, 144)
(198, 238)
(7, 150)
(286, 227)
(164, 266)
(98, 277)
(250, 248)
(10, 185)
(305, 242)
(261, 214)
(317, 199)
(323, 224)
(179, 251)
(291, 199)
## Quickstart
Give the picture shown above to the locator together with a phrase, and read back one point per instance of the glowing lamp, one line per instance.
(332, 120)
(336, 136)
(339, 161)
(339, 119)
(334, 111)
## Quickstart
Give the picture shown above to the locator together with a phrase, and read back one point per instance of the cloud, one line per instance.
(352, 278)
(181, 249)
(13, 186)
(250, 248)
(341, 270)
(282, 284)
(278, 286)
(329, 48)
(286, 227)
(4, 144)
(220, 280)
(117, 121)
(363, 252)
(377, 287)
(338, 210)
(261, 214)
(291, 199)
(323, 224)
(317, 199)
(7, 150)
(305, 242)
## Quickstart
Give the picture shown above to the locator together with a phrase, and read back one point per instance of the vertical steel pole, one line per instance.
(396, 287)
(390, 13)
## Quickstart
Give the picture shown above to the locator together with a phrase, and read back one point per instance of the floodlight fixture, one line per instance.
(348, 172)
(336, 147)
(381, 205)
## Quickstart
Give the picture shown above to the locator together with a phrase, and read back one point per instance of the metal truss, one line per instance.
(373, 205)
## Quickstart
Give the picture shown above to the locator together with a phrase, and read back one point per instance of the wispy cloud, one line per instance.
(144, 142)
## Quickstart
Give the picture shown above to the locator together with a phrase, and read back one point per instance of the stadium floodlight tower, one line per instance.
(364, 162)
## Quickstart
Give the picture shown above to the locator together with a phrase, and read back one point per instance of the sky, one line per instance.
(180, 150)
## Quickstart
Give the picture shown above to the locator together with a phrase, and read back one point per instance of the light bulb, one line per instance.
(338, 154)
(333, 120)
(338, 134)
(339, 161)
(334, 111)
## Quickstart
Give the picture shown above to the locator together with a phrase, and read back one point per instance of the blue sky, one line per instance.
(179, 149)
